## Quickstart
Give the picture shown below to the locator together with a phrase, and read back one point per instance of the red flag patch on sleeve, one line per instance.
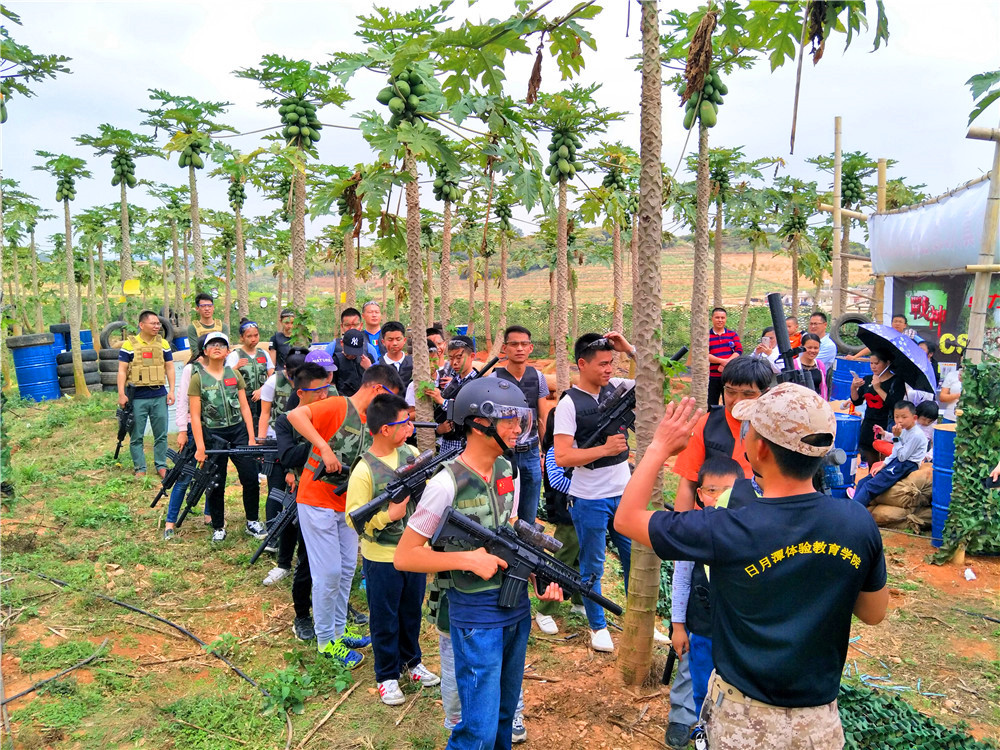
(262, 360)
(229, 381)
(147, 355)
(505, 485)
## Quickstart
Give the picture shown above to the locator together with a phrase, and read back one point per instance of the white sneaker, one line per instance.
(518, 733)
(546, 624)
(578, 609)
(256, 529)
(219, 535)
(424, 676)
(390, 693)
(660, 637)
(600, 640)
(275, 575)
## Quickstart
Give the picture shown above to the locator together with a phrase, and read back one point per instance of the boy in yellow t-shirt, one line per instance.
(395, 597)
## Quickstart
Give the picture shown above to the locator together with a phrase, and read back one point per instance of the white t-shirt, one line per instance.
(591, 484)
(411, 395)
(954, 385)
(439, 494)
(267, 390)
(237, 354)
(827, 352)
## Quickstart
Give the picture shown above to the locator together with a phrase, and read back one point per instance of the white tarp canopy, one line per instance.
(944, 235)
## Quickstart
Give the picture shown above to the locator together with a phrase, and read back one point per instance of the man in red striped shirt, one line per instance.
(723, 345)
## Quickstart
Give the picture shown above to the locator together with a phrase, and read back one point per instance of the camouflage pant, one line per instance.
(734, 722)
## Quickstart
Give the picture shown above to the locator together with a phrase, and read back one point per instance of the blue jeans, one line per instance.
(872, 486)
(593, 519)
(701, 667)
(489, 667)
(529, 469)
(178, 490)
(154, 411)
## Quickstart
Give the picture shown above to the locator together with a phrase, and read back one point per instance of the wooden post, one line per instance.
(879, 302)
(838, 293)
(988, 252)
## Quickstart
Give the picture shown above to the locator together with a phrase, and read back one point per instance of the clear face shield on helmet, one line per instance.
(512, 423)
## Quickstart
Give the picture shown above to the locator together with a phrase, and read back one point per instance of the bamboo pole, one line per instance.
(838, 293)
(989, 256)
(843, 212)
(879, 302)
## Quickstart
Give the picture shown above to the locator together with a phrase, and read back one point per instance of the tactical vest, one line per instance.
(484, 504)
(220, 399)
(719, 440)
(283, 390)
(529, 386)
(381, 476)
(699, 609)
(348, 443)
(588, 415)
(148, 368)
(405, 368)
(437, 601)
(255, 370)
(201, 330)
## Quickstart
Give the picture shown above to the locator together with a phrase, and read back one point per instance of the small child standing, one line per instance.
(927, 417)
(909, 446)
(395, 597)
(690, 604)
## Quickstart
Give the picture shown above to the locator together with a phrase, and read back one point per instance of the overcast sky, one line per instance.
(907, 101)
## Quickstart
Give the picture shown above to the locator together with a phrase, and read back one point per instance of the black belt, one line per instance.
(525, 448)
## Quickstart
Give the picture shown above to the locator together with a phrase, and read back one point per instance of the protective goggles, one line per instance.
(601, 345)
(520, 416)
(458, 344)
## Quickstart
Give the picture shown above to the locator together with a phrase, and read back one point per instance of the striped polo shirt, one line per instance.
(722, 345)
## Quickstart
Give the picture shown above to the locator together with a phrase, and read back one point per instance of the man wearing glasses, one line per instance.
(460, 357)
(716, 434)
(206, 322)
(336, 428)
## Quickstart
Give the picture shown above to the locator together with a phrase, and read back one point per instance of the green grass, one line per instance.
(38, 658)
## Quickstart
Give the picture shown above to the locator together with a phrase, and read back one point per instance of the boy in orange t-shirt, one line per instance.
(336, 429)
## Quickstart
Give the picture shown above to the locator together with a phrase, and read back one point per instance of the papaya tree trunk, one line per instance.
(164, 280)
(562, 289)
(187, 267)
(39, 318)
(617, 284)
(445, 268)
(229, 294)
(336, 286)
(196, 251)
(16, 297)
(717, 261)
(634, 259)
(636, 654)
(178, 305)
(552, 312)
(350, 287)
(92, 297)
(502, 322)
(79, 381)
(487, 323)
(472, 292)
(385, 292)
(242, 288)
(699, 294)
(421, 356)
(749, 294)
(277, 311)
(63, 305)
(794, 252)
(126, 245)
(104, 280)
(575, 318)
(299, 239)
(819, 289)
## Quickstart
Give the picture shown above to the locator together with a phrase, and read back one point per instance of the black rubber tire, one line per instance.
(106, 332)
(92, 378)
(88, 355)
(106, 365)
(92, 387)
(110, 378)
(31, 339)
(108, 354)
(67, 369)
(842, 347)
(59, 328)
(166, 329)
(109, 388)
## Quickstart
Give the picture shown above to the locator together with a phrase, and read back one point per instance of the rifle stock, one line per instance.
(182, 465)
(287, 515)
(126, 418)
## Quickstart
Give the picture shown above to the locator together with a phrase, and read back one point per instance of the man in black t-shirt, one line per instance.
(281, 340)
(788, 570)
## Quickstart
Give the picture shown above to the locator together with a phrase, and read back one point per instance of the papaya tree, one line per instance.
(24, 209)
(124, 147)
(298, 89)
(20, 66)
(92, 230)
(95, 228)
(751, 213)
(67, 170)
(173, 212)
(191, 124)
(13, 240)
(448, 191)
(795, 202)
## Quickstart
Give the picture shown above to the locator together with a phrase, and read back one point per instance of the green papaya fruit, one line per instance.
(553, 147)
(300, 110)
(413, 101)
(116, 180)
(554, 177)
(394, 121)
(723, 88)
(314, 134)
(131, 181)
(396, 105)
(689, 118)
(421, 89)
(306, 142)
(291, 118)
(293, 130)
(197, 161)
(708, 90)
(403, 88)
(578, 166)
(385, 95)
(564, 152)
(708, 115)
(564, 166)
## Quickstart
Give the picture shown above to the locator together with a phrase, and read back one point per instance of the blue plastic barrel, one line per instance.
(86, 340)
(464, 331)
(842, 377)
(36, 371)
(848, 434)
(944, 463)
(181, 343)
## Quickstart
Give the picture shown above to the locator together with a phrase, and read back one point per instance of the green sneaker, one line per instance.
(353, 639)
(346, 656)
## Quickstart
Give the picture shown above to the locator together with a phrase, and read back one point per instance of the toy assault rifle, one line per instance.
(787, 355)
(126, 418)
(522, 560)
(453, 388)
(288, 514)
(183, 466)
(265, 450)
(204, 479)
(617, 414)
(410, 479)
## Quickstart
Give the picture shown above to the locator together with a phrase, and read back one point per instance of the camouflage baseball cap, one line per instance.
(793, 417)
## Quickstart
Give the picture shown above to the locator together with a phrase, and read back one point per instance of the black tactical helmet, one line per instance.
(492, 399)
